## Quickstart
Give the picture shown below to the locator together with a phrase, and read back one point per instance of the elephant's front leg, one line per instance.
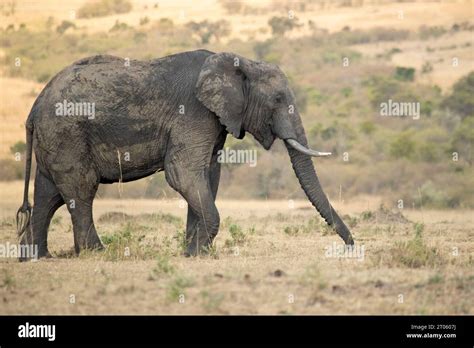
(195, 188)
(192, 218)
(204, 223)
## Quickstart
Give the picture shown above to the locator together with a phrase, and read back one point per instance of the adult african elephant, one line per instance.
(171, 114)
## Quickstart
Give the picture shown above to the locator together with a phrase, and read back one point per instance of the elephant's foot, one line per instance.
(198, 248)
(93, 243)
(33, 255)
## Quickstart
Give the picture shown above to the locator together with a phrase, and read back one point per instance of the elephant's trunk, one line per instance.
(304, 170)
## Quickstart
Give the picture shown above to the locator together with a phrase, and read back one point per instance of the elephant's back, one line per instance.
(119, 87)
(128, 107)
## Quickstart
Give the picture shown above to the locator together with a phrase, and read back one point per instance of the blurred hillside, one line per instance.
(343, 58)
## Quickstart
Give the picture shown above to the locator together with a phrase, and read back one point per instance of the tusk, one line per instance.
(297, 146)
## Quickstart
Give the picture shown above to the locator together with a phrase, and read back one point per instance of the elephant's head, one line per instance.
(255, 97)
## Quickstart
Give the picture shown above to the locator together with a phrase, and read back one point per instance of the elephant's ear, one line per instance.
(220, 87)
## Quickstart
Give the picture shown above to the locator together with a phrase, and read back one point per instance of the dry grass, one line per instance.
(16, 98)
(330, 17)
(255, 267)
(439, 52)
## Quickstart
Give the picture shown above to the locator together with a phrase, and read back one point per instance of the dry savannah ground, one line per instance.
(273, 257)
(270, 256)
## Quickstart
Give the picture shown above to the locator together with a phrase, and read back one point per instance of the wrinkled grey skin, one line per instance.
(137, 111)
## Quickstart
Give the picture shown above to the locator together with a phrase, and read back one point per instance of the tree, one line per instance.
(463, 140)
(461, 99)
(402, 146)
(19, 146)
(206, 30)
(280, 25)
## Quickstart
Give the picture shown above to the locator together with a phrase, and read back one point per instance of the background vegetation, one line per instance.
(422, 162)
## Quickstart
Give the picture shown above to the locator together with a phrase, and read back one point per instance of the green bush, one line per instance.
(414, 253)
(163, 266)
(402, 146)
(367, 127)
(207, 30)
(127, 243)
(461, 99)
(463, 140)
(281, 25)
(19, 147)
(383, 88)
(404, 74)
(238, 237)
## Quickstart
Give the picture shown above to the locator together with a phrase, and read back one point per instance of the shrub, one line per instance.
(126, 243)
(207, 30)
(367, 215)
(177, 287)
(180, 237)
(292, 230)
(281, 25)
(104, 8)
(237, 234)
(381, 89)
(426, 68)
(426, 32)
(65, 25)
(402, 146)
(414, 253)
(461, 100)
(463, 140)
(144, 20)
(19, 146)
(367, 127)
(163, 266)
(118, 26)
(404, 74)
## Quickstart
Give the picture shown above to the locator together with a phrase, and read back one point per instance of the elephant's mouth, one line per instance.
(303, 149)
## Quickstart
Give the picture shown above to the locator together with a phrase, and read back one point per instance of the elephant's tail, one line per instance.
(23, 214)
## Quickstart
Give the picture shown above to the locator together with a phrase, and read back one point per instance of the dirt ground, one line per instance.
(273, 257)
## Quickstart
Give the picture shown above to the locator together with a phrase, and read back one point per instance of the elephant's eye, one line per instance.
(278, 99)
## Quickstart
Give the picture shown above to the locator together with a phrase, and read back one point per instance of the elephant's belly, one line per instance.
(128, 163)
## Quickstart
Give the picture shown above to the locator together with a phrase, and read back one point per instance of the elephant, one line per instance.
(170, 114)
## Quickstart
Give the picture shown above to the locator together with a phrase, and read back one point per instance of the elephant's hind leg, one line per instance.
(78, 190)
(47, 200)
